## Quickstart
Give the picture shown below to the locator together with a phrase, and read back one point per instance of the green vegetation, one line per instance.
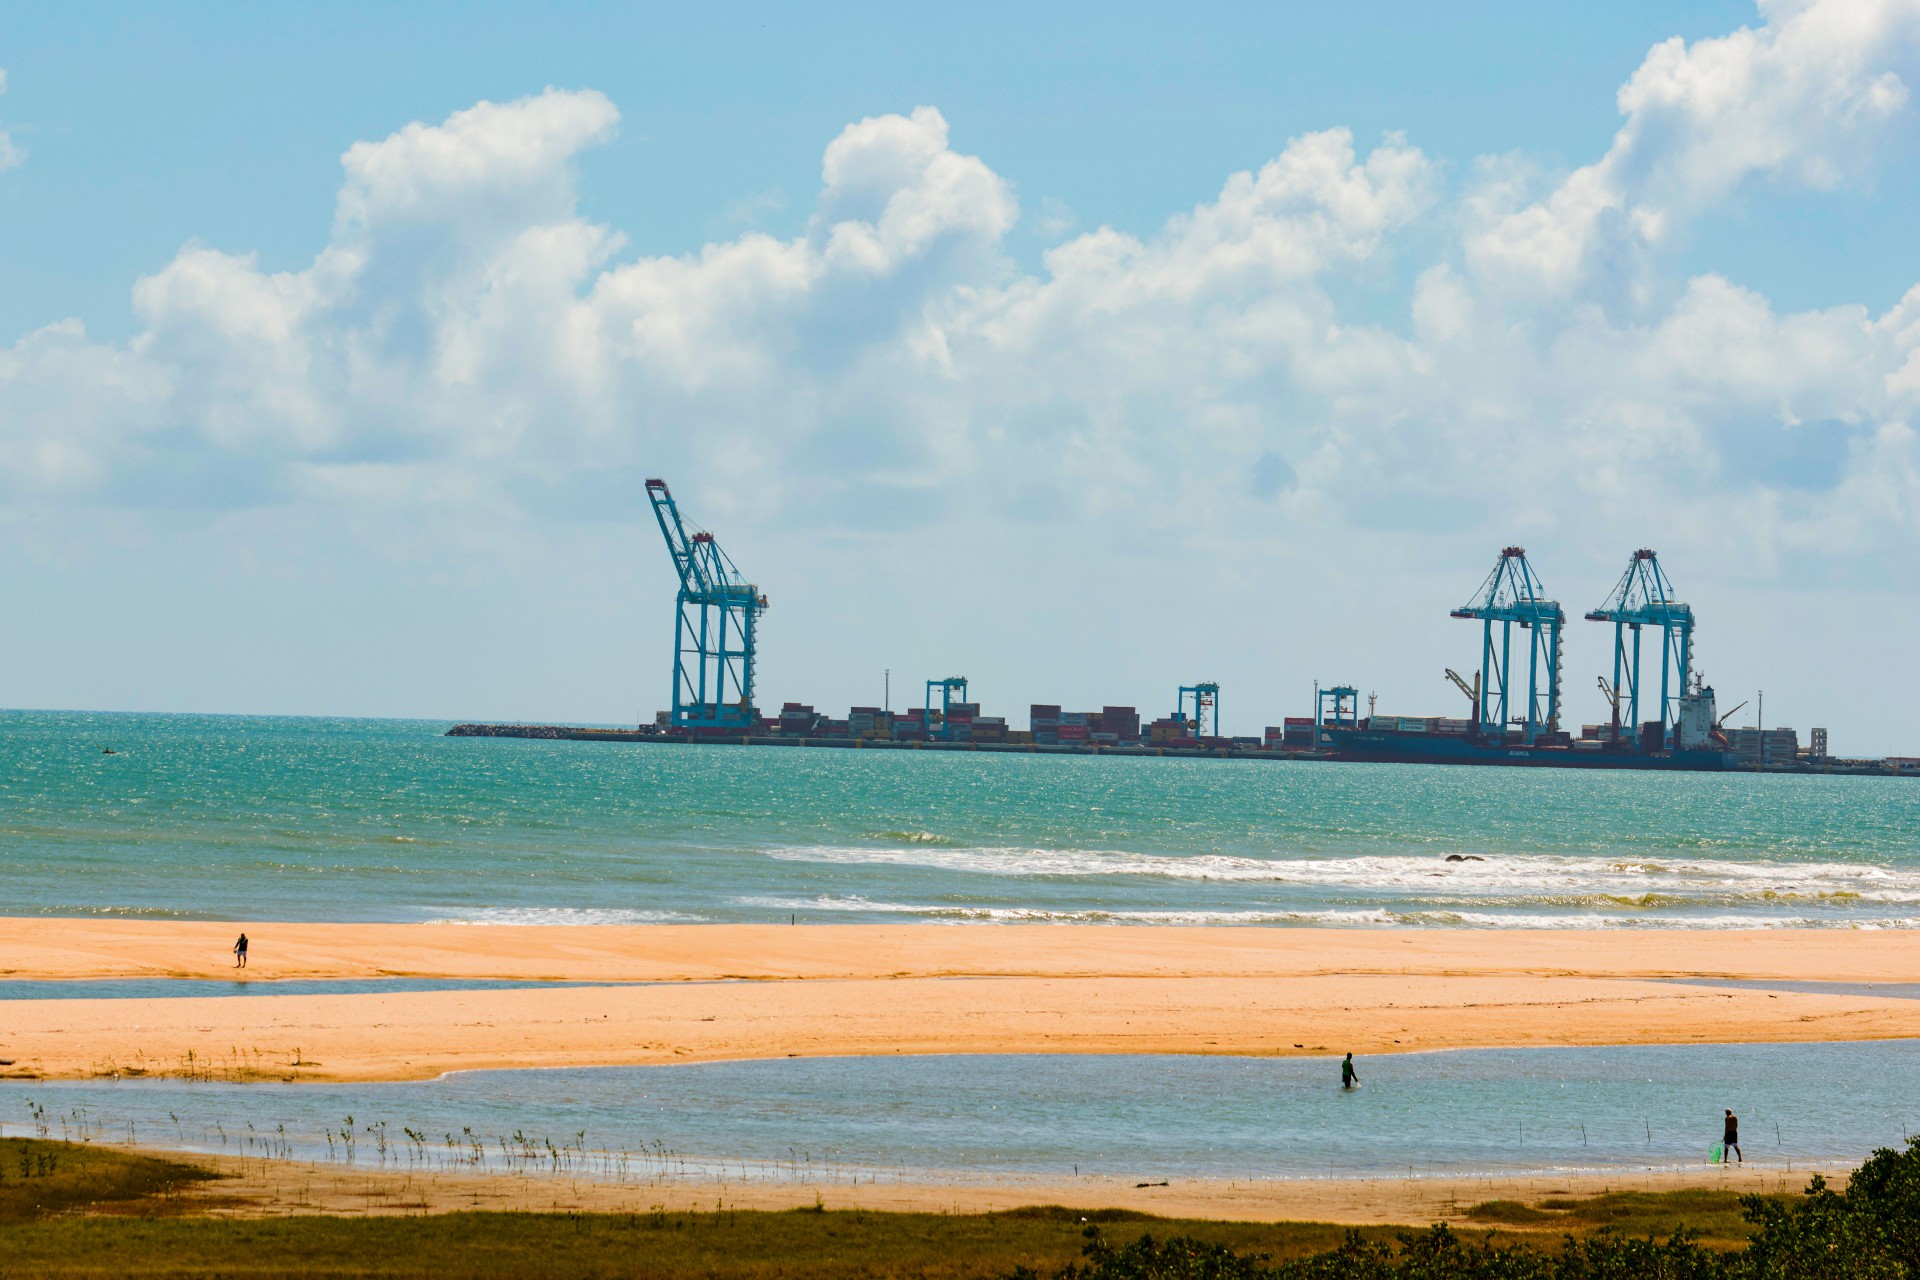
(39, 1178)
(76, 1211)
(835, 1245)
(1510, 1212)
(1871, 1231)
(1718, 1219)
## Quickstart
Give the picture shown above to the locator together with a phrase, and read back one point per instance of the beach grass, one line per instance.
(1714, 1217)
(40, 1178)
(79, 1210)
(745, 1245)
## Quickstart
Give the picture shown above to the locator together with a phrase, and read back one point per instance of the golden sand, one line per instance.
(759, 991)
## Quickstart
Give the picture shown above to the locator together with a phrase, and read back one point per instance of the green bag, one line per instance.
(1718, 1155)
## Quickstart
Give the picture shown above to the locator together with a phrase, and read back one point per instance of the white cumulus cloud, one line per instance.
(467, 341)
(1800, 99)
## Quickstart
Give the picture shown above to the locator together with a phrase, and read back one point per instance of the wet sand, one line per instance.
(264, 1188)
(763, 991)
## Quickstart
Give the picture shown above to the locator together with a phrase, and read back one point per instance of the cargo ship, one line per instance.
(1694, 741)
(1398, 746)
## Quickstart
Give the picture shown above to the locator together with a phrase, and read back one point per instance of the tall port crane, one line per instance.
(946, 688)
(1644, 598)
(1205, 697)
(715, 621)
(1512, 596)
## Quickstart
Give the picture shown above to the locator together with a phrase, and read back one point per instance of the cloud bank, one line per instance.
(467, 341)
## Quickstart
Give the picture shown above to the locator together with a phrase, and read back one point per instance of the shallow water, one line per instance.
(1145, 1117)
(253, 818)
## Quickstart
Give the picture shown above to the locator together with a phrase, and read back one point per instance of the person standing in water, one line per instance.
(240, 957)
(1730, 1138)
(1350, 1078)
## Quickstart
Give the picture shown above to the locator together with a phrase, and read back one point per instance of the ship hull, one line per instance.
(1390, 747)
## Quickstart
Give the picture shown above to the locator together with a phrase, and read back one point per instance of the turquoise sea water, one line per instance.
(1132, 1116)
(250, 818)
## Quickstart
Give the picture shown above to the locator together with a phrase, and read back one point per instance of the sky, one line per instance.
(1084, 353)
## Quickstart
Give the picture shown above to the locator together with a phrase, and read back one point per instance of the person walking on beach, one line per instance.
(1730, 1138)
(240, 958)
(1349, 1077)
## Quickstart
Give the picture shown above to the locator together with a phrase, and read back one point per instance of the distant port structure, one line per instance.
(1514, 699)
(716, 625)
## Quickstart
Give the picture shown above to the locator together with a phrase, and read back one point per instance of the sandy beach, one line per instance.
(755, 991)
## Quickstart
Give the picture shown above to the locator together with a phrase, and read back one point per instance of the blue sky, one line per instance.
(1349, 389)
(151, 127)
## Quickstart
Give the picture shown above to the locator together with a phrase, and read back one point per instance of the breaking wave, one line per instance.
(565, 916)
(1377, 917)
(1555, 879)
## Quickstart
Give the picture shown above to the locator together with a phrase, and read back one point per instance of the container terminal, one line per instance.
(1663, 715)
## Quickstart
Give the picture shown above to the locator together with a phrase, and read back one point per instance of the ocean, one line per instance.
(252, 818)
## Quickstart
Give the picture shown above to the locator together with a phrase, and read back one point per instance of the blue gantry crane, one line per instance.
(1644, 598)
(1345, 712)
(1205, 697)
(1512, 596)
(946, 688)
(716, 619)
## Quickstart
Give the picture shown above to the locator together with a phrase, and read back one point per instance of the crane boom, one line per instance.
(1471, 690)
